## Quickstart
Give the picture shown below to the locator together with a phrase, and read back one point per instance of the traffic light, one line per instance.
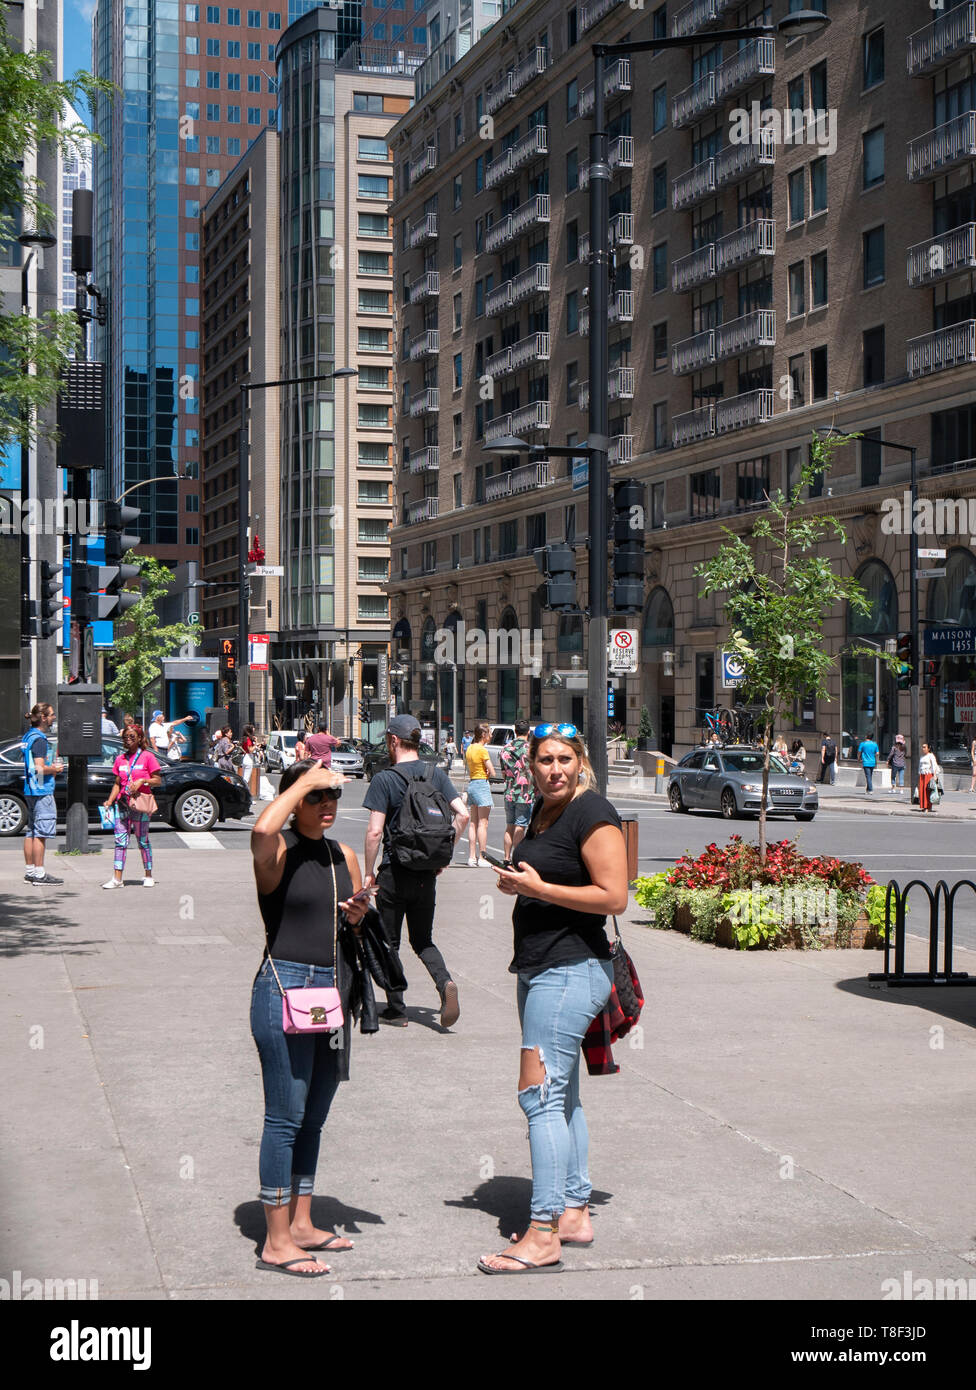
(931, 674)
(51, 603)
(117, 540)
(558, 564)
(228, 653)
(84, 593)
(113, 576)
(906, 659)
(364, 711)
(629, 503)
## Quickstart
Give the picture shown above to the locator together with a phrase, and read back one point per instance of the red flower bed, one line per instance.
(736, 865)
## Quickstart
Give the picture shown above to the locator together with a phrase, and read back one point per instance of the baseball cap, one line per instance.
(403, 726)
(157, 713)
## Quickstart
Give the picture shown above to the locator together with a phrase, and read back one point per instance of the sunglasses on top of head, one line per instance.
(566, 730)
(323, 794)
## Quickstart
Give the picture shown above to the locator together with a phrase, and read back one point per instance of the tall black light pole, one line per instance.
(792, 26)
(243, 513)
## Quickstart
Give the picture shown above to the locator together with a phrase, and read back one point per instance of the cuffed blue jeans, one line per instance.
(556, 1008)
(300, 1074)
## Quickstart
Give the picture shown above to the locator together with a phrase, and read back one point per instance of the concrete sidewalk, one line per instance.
(779, 1128)
(955, 805)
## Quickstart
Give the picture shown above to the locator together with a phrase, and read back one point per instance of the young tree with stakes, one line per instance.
(141, 641)
(778, 588)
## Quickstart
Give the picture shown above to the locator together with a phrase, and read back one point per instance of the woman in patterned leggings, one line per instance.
(136, 772)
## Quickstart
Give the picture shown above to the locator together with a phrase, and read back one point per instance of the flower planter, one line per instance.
(862, 935)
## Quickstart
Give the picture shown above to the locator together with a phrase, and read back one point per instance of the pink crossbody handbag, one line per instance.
(319, 1008)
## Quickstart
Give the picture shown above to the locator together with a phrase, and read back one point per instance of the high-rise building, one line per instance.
(336, 312)
(196, 87)
(763, 198)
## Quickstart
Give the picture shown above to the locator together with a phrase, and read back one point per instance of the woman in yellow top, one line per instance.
(479, 797)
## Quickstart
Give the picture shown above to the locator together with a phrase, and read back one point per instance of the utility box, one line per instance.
(80, 721)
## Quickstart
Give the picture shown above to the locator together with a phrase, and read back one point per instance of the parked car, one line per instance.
(376, 758)
(280, 750)
(347, 759)
(729, 780)
(192, 796)
(500, 735)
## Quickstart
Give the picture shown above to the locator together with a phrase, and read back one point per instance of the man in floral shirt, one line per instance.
(519, 786)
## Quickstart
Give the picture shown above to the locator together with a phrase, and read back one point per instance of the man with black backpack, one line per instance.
(828, 759)
(417, 813)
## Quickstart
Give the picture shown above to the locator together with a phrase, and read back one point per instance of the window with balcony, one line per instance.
(705, 492)
(818, 280)
(874, 356)
(873, 255)
(873, 157)
(374, 263)
(873, 58)
(797, 296)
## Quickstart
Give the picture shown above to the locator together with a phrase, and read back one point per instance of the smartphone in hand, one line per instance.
(362, 895)
(497, 863)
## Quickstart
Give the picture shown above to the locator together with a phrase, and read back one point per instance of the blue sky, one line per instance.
(77, 39)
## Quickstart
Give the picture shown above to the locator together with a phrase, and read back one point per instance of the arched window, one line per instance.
(878, 584)
(950, 715)
(954, 597)
(658, 628)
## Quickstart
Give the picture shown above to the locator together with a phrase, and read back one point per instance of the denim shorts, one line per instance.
(479, 792)
(42, 817)
(518, 813)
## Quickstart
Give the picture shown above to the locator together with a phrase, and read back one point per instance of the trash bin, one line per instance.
(629, 825)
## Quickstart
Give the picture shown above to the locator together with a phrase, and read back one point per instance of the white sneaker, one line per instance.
(483, 864)
(114, 883)
(149, 883)
(472, 863)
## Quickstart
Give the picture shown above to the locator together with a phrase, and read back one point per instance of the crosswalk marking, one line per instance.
(199, 839)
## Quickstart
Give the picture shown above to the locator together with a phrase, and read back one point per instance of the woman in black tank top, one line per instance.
(305, 887)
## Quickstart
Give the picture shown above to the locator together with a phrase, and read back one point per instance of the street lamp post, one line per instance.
(243, 481)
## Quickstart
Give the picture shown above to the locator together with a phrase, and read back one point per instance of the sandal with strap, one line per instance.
(285, 1268)
(529, 1268)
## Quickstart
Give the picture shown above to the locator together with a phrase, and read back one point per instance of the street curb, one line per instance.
(834, 803)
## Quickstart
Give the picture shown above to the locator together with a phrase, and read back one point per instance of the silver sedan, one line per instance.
(348, 760)
(729, 780)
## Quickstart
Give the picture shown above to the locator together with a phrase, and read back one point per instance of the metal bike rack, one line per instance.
(897, 897)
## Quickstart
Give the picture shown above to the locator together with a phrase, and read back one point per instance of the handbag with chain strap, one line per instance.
(317, 1008)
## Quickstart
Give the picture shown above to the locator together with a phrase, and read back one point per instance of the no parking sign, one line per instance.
(623, 649)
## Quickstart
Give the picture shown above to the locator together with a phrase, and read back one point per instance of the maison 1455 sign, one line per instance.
(949, 641)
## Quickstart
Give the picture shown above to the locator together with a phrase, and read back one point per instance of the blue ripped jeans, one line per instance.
(556, 1008)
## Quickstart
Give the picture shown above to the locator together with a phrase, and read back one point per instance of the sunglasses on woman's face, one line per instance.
(544, 730)
(326, 794)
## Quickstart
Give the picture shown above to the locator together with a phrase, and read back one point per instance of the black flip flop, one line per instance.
(284, 1268)
(530, 1268)
(330, 1245)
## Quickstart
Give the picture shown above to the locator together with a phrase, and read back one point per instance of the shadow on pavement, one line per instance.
(957, 1002)
(28, 924)
(508, 1199)
(328, 1213)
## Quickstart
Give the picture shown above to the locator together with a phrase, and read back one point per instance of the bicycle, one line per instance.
(720, 721)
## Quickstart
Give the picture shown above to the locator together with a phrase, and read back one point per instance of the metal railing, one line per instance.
(738, 412)
(522, 479)
(426, 286)
(499, 363)
(693, 425)
(423, 164)
(695, 16)
(426, 403)
(896, 925)
(694, 353)
(689, 271)
(620, 449)
(498, 300)
(534, 416)
(424, 230)
(755, 59)
(533, 280)
(942, 148)
(620, 309)
(616, 79)
(692, 103)
(745, 244)
(693, 185)
(620, 155)
(534, 348)
(426, 461)
(531, 145)
(734, 162)
(945, 348)
(499, 235)
(940, 42)
(531, 67)
(944, 255)
(622, 229)
(498, 96)
(425, 510)
(620, 384)
(533, 212)
(755, 330)
(592, 14)
(426, 344)
(499, 169)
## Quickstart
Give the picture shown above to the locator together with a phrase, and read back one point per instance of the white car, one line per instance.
(281, 748)
(501, 734)
(348, 760)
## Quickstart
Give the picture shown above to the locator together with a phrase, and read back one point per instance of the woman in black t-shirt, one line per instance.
(569, 872)
(295, 870)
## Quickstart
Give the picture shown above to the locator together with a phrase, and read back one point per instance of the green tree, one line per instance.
(645, 727)
(144, 641)
(778, 588)
(33, 352)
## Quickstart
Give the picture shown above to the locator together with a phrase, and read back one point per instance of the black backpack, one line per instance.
(830, 750)
(422, 835)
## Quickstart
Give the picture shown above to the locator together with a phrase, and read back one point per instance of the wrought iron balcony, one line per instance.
(499, 169)
(592, 14)
(755, 59)
(499, 363)
(943, 349)
(531, 66)
(499, 234)
(426, 286)
(690, 271)
(426, 403)
(425, 510)
(522, 479)
(692, 103)
(620, 449)
(952, 253)
(943, 148)
(745, 244)
(498, 96)
(426, 461)
(698, 15)
(498, 300)
(534, 212)
(941, 42)
(616, 80)
(736, 162)
(620, 387)
(423, 231)
(622, 229)
(534, 348)
(694, 353)
(534, 280)
(532, 145)
(426, 344)
(499, 428)
(423, 164)
(693, 425)
(620, 155)
(534, 416)
(738, 412)
(693, 186)
(745, 334)
(620, 309)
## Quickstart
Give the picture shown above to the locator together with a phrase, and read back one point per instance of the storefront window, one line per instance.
(657, 637)
(950, 705)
